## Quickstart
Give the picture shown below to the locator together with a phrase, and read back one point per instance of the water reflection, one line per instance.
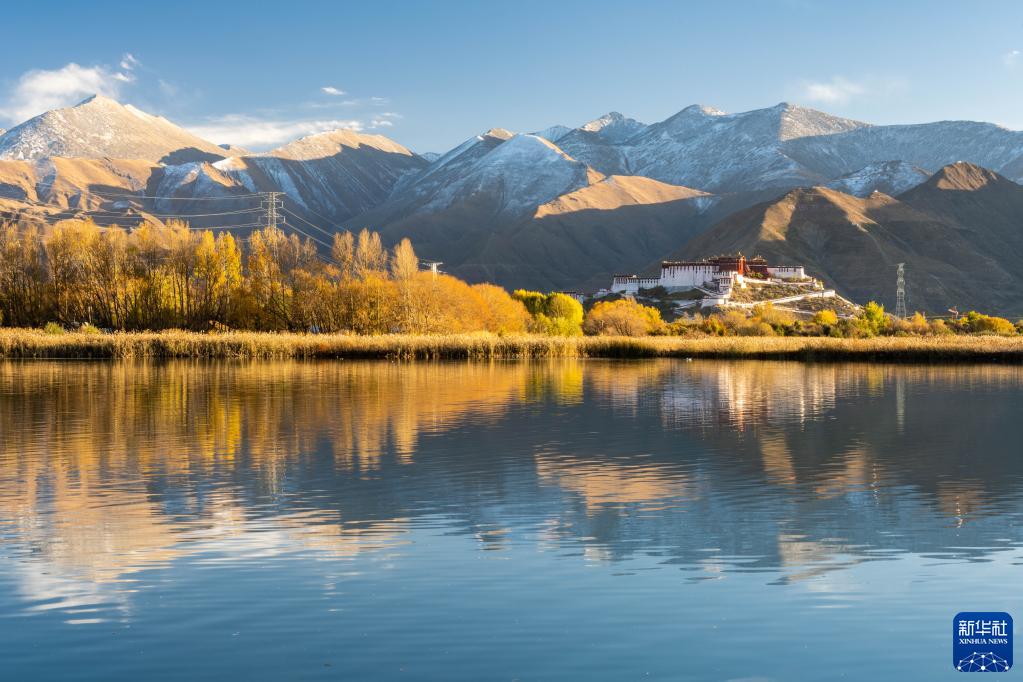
(712, 468)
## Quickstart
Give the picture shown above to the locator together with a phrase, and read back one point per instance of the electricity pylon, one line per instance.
(900, 292)
(271, 203)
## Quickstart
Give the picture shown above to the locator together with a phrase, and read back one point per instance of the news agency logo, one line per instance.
(982, 642)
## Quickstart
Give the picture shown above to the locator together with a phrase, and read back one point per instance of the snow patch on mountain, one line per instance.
(614, 127)
(515, 177)
(890, 177)
(553, 133)
(450, 166)
(705, 148)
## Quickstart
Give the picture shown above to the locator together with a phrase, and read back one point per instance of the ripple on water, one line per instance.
(465, 521)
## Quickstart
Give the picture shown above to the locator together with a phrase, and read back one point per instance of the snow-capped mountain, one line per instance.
(930, 146)
(515, 177)
(602, 143)
(782, 147)
(101, 127)
(448, 167)
(553, 133)
(890, 177)
(703, 147)
(614, 127)
(337, 174)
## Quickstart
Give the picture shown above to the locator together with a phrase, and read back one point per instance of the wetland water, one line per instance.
(474, 521)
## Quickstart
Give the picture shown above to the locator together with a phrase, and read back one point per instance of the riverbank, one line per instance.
(25, 343)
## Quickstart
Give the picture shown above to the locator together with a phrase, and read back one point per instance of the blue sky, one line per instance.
(430, 74)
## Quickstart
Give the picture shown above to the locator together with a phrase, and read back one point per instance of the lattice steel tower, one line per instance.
(271, 203)
(900, 292)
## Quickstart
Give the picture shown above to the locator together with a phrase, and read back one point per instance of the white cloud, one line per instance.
(129, 62)
(254, 133)
(39, 90)
(331, 90)
(380, 123)
(1011, 58)
(836, 91)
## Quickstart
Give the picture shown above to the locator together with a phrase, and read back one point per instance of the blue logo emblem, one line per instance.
(982, 642)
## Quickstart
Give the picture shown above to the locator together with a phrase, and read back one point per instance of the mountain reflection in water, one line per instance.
(113, 475)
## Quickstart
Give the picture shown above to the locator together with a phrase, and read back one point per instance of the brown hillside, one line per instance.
(854, 244)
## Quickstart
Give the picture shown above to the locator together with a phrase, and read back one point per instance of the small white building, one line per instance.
(631, 284)
(788, 272)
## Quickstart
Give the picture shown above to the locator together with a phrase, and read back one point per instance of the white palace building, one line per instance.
(714, 276)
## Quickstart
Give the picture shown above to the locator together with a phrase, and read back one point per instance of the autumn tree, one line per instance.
(555, 313)
(624, 317)
(24, 291)
(502, 314)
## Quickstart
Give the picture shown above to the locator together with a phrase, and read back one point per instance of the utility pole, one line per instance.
(271, 203)
(433, 266)
(900, 292)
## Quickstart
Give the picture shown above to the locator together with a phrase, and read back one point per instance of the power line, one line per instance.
(317, 227)
(109, 195)
(320, 215)
(182, 215)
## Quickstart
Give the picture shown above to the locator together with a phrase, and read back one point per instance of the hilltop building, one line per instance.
(714, 277)
(711, 273)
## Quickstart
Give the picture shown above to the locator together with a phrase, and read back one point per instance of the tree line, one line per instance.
(169, 276)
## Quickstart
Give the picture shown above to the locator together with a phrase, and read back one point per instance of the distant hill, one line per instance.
(960, 234)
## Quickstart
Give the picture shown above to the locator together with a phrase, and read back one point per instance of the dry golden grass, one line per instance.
(28, 343)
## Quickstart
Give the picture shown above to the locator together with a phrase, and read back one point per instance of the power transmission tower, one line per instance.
(271, 203)
(900, 292)
(433, 265)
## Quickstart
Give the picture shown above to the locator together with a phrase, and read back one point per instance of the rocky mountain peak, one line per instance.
(964, 176)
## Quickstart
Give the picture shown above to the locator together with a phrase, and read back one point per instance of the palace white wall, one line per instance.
(687, 276)
(630, 284)
(786, 271)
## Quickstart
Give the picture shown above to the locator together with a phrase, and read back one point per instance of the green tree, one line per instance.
(872, 319)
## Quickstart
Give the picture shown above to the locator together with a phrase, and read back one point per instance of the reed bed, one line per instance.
(27, 343)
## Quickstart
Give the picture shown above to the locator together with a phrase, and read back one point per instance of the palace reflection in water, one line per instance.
(116, 477)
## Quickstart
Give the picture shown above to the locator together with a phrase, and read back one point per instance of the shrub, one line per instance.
(555, 313)
(622, 318)
(53, 329)
(872, 320)
(977, 323)
(88, 328)
(826, 318)
(778, 320)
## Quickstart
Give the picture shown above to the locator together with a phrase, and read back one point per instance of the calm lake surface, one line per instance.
(564, 520)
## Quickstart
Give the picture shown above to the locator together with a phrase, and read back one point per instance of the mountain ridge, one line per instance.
(99, 126)
(564, 207)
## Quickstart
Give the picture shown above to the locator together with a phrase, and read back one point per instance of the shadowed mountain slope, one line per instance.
(956, 233)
